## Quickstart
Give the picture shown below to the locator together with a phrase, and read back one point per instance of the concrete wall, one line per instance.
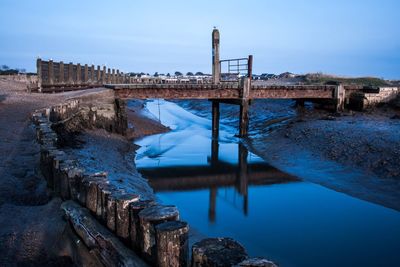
(363, 100)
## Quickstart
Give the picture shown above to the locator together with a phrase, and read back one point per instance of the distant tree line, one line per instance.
(156, 74)
(6, 70)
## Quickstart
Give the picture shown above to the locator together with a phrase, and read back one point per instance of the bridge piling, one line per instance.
(215, 119)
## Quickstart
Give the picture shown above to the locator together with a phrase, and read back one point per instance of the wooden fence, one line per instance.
(58, 76)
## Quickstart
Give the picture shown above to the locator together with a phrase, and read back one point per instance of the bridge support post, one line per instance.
(78, 73)
(243, 179)
(244, 108)
(39, 73)
(339, 96)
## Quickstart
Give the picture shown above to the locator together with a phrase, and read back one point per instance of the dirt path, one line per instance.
(31, 220)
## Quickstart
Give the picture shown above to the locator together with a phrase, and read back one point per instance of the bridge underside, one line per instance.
(220, 91)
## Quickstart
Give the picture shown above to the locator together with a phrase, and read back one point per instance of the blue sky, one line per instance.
(352, 38)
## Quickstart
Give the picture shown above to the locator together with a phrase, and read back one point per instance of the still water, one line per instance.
(222, 189)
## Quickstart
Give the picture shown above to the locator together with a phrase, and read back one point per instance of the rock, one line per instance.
(217, 252)
(256, 262)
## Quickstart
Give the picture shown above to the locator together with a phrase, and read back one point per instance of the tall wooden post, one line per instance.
(92, 73)
(244, 108)
(78, 73)
(61, 73)
(113, 76)
(109, 75)
(250, 67)
(70, 73)
(103, 76)
(339, 96)
(118, 77)
(216, 68)
(86, 74)
(50, 72)
(98, 75)
(39, 73)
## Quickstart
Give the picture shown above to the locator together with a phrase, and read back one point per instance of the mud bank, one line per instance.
(355, 153)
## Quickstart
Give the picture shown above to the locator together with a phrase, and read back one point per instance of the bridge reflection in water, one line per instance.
(215, 175)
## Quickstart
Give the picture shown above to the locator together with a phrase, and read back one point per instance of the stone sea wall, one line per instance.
(118, 228)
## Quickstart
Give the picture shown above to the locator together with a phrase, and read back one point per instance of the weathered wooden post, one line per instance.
(71, 73)
(135, 233)
(98, 77)
(244, 107)
(50, 72)
(113, 76)
(339, 97)
(122, 212)
(104, 75)
(172, 244)
(216, 68)
(86, 74)
(117, 80)
(217, 252)
(61, 73)
(78, 73)
(92, 77)
(109, 75)
(39, 73)
(149, 218)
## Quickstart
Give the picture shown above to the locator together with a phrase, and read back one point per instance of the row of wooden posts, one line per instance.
(58, 74)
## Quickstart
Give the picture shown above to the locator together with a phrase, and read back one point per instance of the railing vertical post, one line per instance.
(50, 72)
(250, 67)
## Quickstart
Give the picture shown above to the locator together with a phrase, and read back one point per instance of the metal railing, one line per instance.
(233, 69)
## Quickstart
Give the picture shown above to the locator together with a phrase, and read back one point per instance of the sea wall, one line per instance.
(368, 99)
(115, 225)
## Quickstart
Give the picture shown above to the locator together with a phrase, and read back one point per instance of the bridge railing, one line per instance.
(233, 69)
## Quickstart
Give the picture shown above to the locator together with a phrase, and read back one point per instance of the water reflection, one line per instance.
(216, 174)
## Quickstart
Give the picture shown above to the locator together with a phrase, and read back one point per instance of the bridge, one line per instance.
(55, 76)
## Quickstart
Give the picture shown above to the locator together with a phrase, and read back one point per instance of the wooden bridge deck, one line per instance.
(220, 91)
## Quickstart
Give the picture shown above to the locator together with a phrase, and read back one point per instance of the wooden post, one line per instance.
(39, 73)
(78, 73)
(98, 76)
(113, 76)
(243, 178)
(109, 75)
(339, 97)
(92, 77)
(61, 74)
(215, 119)
(103, 75)
(71, 73)
(250, 67)
(118, 77)
(244, 108)
(50, 72)
(216, 68)
(172, 244)
(122, 212)
(86, 74)
(149, 218)
(135, 208)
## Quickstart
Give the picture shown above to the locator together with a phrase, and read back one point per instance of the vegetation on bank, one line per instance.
(319, 78)
(6, 70)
